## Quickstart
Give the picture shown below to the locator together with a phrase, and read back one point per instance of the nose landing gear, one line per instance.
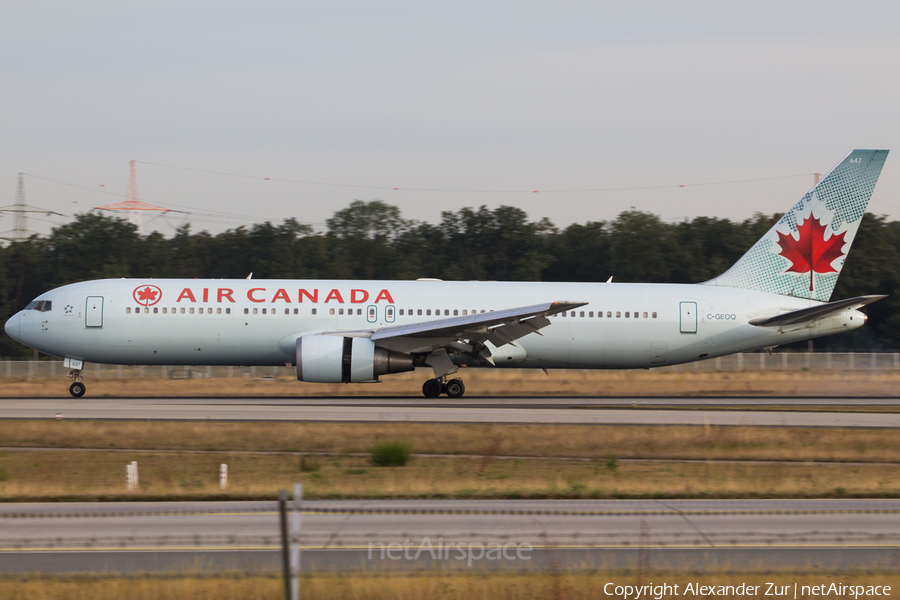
(433, 388)
(78, 388)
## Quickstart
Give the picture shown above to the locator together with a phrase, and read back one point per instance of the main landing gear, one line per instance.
(433, 388)
(78, 388)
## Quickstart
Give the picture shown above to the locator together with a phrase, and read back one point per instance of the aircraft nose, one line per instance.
(12, 327)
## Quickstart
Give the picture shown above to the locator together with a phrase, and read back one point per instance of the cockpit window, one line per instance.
(41, 305)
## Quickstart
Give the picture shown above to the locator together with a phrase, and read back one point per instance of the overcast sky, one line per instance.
(502, 96)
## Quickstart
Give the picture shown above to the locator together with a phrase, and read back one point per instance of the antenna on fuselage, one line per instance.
(250, 276)
(610, 279)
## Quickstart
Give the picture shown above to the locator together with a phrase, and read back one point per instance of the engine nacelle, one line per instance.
(336, 359)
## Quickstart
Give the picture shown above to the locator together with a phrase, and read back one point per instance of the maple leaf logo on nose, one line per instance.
(811, 253)
(147, 295)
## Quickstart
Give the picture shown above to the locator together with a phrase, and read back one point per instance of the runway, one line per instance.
(406, 535)
(615, 411)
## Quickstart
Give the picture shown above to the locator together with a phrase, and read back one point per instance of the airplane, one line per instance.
(357, 331)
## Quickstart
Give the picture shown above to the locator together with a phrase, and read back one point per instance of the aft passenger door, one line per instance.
(688, 317)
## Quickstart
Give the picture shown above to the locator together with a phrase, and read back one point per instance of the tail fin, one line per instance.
(803, 254)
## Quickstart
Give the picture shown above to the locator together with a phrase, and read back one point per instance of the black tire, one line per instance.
(455, 388)
(431, 388)
(77, 389)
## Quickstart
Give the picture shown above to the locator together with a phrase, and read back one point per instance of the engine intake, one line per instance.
(336, 359)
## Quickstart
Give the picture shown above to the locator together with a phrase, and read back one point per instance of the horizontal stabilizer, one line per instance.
(814, 312)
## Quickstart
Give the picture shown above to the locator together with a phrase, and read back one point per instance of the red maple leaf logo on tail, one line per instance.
(811, 253)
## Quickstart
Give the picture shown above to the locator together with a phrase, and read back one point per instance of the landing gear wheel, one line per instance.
(77, 389)
(431, 388)
(455, 388)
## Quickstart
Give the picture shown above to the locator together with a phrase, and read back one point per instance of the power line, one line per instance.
(471, 191)
(191, 210)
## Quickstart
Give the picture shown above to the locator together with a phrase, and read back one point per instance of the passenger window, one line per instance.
(296, 311)
(255, 311)
(419, 312)
(401, 312)
(182, 310)
(618, 315)
(263, 311)
(581, 314)
(482, 310)
(340, 311)
(590, 314)
(645, 315)
(627, 314)
(562, 314)
(465, 312)
(155, 310)
(218, 311)
(287, 311)
(428, 312)
(192, 310)
(455, 312)
(654, 315)
(227, 311)
(127, 310)
(146, 311)
(609, 314)
(446, 312)
(636, 314)
(246, 311)
(314, 311)
(165, 310)
(331, 311)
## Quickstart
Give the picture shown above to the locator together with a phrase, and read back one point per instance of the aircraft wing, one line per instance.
(498, 327)
(814, 312)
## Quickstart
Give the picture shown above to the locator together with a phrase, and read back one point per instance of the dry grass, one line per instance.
(578, 441)
(487, 382)
(30, 475)
(569, 586)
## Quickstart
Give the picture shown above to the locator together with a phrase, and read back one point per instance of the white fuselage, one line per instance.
(256, 322)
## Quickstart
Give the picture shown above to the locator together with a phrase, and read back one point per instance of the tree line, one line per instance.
(372, 240)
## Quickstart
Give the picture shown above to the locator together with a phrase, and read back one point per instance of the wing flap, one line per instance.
(524, 320)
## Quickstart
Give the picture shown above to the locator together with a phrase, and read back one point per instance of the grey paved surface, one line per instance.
(126, 537)
(489, 410)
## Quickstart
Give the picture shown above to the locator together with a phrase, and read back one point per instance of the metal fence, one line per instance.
(762, 361)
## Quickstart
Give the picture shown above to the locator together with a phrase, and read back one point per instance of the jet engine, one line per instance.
(336, 359)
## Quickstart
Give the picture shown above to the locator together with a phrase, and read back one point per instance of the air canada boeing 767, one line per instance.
(356, 331)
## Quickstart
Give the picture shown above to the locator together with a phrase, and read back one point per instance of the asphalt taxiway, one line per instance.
(821, 412)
